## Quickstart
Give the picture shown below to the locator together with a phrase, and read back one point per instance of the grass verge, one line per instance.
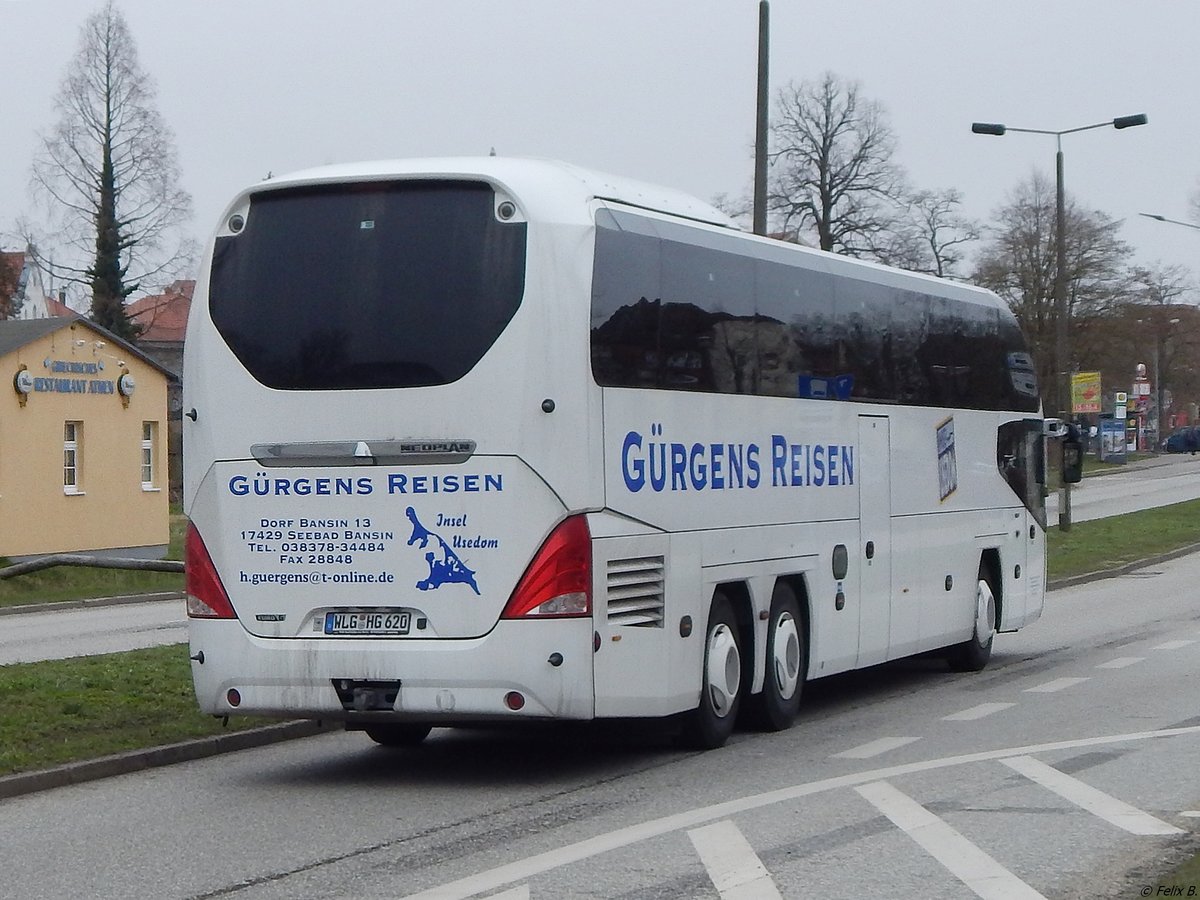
(63, 583)
(1186, 877)
(1093, 464)
(1113, 542)
(67, 710)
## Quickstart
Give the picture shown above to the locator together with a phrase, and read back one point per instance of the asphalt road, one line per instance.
(58, 634)
(1071, 758)
(1159, 481)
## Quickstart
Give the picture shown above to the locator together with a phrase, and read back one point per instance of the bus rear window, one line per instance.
(371, 285)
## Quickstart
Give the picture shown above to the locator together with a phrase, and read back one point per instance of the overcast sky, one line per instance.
(660, 90)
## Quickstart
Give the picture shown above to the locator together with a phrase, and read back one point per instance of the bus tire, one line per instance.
(973, 654)
(776, 707)
(711, 723)
(398, 734)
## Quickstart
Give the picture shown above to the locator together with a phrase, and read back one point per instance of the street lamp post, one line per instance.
(1172, 221)
(1061, 350)
(1160, 341)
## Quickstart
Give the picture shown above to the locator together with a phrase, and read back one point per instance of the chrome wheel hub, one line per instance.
(786, 656)
(985, 613)
(724, 674)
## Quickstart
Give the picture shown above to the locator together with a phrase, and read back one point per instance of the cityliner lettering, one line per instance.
(719, 466)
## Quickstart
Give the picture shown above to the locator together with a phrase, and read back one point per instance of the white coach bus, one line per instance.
(479, 440)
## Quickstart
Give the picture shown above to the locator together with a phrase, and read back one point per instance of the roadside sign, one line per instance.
(1112, 440)
(1085, 392)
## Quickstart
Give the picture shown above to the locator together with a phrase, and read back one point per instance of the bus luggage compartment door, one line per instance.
(875, 539)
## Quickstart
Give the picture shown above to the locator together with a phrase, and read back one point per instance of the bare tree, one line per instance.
(1020, 265)
(831, 168)
(930, 234)
(107, 177)
(1194, 203)
(740, 209)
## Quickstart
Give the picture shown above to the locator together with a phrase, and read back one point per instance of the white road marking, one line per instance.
(964, 860)
(1109, 808)
(1057, 685)
(1191, 814)
(735, 869)
(875, 748)
(977, 712)
(1173, 645)
(1121, 662)
(540, 863)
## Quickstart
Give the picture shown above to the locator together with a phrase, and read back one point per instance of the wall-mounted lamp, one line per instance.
(23, 384)
(126, 385)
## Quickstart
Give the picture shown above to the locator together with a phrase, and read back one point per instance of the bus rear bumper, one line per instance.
(442, 682)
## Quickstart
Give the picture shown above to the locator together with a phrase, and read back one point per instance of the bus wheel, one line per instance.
(973, 654)
(776, 707)
(711, 722)
(394, 735)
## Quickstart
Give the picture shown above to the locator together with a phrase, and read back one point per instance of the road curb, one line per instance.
(92, 603)
(168, 754)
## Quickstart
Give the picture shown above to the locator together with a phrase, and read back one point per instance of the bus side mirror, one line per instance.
(1072, 455)
(1054, 428)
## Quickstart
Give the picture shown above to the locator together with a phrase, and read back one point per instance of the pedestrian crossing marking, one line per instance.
(1109, 808)
(965, 861)
(732, 865)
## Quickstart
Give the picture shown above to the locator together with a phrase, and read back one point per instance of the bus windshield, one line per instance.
(367, 285)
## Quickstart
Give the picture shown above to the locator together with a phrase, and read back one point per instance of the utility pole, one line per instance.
(760, 130)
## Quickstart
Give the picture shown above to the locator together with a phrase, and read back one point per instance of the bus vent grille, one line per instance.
(635, 591)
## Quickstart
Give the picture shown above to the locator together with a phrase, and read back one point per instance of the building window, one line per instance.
(72, 458)
(149, 448)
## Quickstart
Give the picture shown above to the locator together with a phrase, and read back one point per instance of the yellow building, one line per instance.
(83, 458)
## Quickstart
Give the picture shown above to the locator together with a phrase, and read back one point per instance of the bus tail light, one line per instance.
(206, 597)
(559, 580)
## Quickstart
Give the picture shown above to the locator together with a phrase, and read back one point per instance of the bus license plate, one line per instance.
(367, 622)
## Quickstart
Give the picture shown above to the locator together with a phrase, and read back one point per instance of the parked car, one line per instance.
(1182, 440)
